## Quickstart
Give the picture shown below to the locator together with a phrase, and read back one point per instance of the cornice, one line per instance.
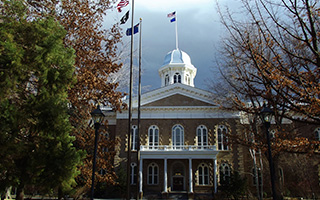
(183, 112)
(177, 108)
(173, 89)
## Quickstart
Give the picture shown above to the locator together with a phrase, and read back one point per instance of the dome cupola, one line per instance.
(177, 68)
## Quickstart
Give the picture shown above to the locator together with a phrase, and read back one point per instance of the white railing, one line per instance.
(178, 148)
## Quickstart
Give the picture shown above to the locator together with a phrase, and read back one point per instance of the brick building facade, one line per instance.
(184, 148)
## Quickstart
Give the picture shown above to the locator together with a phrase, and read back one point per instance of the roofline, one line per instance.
(176, 88)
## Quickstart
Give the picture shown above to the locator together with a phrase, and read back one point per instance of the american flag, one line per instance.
(122, 4)
(172, 14)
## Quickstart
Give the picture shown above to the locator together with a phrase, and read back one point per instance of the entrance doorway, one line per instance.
(177, 176)
(177, 183)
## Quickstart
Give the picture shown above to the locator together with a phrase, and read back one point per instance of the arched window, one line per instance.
(254, 180)
(225, 172)
(106, 137)
(317, 133)
(166, 79)
(133, 174)
(177, 136)
(153, 136)
(134, 137)
(102, 171)
(272, 133)
(177, 78)
(203, 174)
(222, 138)
(153, 174)
(202, 135)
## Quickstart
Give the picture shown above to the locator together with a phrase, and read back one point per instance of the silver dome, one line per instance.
(176, 56)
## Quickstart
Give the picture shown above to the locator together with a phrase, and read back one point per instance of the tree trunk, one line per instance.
(20, 192)
(256, 174)
(60, 193)
(277, 183)
(261, 168)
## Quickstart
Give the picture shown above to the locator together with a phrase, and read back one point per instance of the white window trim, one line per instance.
(134, 132)
(224, 147)
(153, 142)
(181, 141)
(177, 78)
(133, 173)
(202, 176)
(202, 142)
(153, 174)
(226, 173)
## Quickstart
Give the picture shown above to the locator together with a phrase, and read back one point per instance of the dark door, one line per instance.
(177, 184)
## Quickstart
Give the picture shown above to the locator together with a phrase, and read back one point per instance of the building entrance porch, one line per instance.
(176, 170)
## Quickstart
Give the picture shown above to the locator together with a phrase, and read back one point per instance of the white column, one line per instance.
(165, 180)
(190, 176)
(215, 176)
(183, 76)
(140, 176)
(171, 74)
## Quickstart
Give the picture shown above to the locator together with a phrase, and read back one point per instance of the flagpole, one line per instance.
(130, 109)
(176, 32)
(139, 177)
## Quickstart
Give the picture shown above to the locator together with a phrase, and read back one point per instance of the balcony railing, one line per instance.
(178, 148)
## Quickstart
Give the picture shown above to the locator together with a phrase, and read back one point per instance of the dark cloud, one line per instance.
(198, 35)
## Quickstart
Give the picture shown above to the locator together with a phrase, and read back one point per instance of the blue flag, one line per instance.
(173, 15)
(135, 30)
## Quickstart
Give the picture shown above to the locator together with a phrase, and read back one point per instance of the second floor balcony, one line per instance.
(178, 151)
(178, 148)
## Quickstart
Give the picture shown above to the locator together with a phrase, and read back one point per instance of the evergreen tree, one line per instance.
(97, 57)
(36, 71)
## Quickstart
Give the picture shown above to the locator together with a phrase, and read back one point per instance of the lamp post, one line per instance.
(266, 116)
(97, 117)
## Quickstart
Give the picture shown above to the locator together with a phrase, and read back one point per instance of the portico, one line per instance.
(179, 177)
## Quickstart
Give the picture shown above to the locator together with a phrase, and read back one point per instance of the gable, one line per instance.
(178, 100)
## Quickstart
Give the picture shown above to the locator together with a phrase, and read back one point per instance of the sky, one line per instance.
(199, 33)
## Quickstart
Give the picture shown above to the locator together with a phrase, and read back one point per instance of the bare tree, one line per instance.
(271, 54)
